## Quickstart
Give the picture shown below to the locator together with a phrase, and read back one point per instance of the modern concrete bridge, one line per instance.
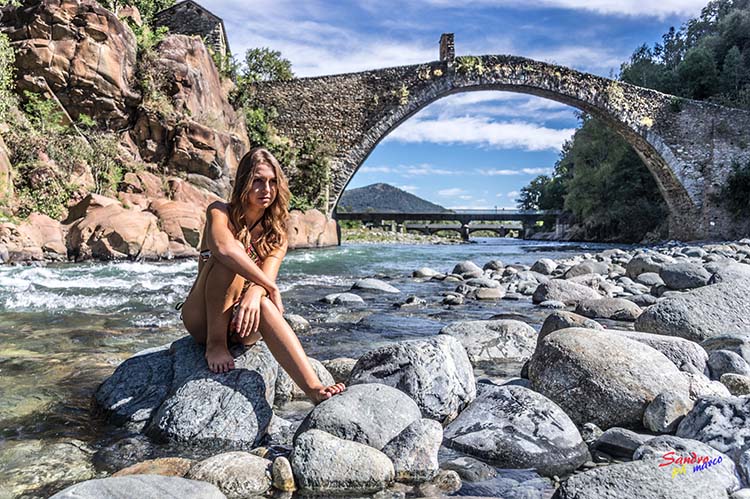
(688, 146)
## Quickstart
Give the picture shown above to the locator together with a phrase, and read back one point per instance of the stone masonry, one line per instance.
(189, 18)
(688, 146)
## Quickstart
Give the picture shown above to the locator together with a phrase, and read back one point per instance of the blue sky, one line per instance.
(470, 150)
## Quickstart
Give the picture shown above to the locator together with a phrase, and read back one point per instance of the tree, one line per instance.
(697, 73)
(532, 194)
(264, 64)
(147, 8)
(733, 73)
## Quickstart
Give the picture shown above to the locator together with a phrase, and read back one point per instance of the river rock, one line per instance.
(686, 355)
(217, 411)
(646, 262)
(552, 304)
(650, 279)
(494, 340)
(587, 267)
(515, 427)
(494, 265)
(435, 373)
(666, 411)
(236, 474)
(298, 323)
(567, 292)
(737, 384)
(640, 479)
(564, 319)
(414, 451)
(617, 309)
(453, 299)
(699, 314)
(340, 368)
(141, 486)
(602, 378)
(721, 422)
(489, 293)
(620, 442)
(287, 390)
(371, 414)
(723, 361)
(730, 271)
(371, 284)
(283, 476)
(482, 282)
(467, 267)
(325, 464)
(684, 275)
(544, 266)
(738, 343)
(425, 272)
(343, 299)
(166, 466)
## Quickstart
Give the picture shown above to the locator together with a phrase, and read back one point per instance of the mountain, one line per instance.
(385, 198)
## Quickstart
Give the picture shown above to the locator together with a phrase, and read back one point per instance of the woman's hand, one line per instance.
(246, 318)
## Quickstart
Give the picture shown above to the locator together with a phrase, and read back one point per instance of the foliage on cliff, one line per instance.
(608, 189)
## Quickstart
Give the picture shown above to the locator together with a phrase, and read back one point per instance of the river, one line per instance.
(64, 328)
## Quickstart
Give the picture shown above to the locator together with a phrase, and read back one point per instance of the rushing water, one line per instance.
(64, 328)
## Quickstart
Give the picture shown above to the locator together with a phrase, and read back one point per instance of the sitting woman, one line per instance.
(235, 297)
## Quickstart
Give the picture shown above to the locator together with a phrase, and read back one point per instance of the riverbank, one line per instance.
(380, 236)
(96, 315)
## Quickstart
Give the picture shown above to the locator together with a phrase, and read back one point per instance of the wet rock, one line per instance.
(666, 411)
(467, 267)
(144, 486)
(435, 373)
(494, 265)
(340, 368)
(620, 442)
(723, 361)
(737, 384)
(298, 323)
(343, 299)
(544, 266)
(721, 422)
(374, 285)
(518, 428)
(562, 320)
(567, 292)
(617, 309)
(425, 272)
(453, 299)
(494, 340)
(684, 275)
(166, 466)
(482, 282)
(236, 474)
(283, 477)
(287, 390)
(371, 414)
(701, 313)
(489, 293)
(446, 482)
(553, 304)
(325, 464)
(470, 469)
(412, 301)
(601, 378)
(124, 453)
(414, 451)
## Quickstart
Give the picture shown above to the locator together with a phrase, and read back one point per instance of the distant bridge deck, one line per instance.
(462, 216)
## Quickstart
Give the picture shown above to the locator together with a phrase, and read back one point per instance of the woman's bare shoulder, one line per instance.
(218, 206)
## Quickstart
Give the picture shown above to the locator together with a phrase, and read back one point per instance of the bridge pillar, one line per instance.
(465, 232)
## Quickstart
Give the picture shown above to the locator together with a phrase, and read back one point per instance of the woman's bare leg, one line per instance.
(223, 289)
(287, 350)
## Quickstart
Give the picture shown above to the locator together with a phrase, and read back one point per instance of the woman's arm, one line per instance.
(224, 247)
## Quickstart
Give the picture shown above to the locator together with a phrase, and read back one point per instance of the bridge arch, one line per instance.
(688, 146)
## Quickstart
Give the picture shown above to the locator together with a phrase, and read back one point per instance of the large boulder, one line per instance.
(325, 464)
(79, 51)
(287, 389)
(515, 427)
(721, 422)
(141, 486)
(45, 233)
(696, 315)
(565, 291)
(688, 356)
(183, 223)
(435, 373)
(562, 319)
(311, 229)
(602, 378)
(371, 414)
(684, 275)
(494, 340)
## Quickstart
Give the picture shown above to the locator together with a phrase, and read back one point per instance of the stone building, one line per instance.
(189, 18)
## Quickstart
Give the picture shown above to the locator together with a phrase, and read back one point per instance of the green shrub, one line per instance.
(735, 194)
(7, 76)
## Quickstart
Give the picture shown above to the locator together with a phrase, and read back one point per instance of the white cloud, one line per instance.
(512, 194)
(376, 169)
(408, 188)
(506, 171)
(483, 132)
(413, 171)
(455, 191)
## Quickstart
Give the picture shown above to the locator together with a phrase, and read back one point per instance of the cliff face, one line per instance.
(182, 152)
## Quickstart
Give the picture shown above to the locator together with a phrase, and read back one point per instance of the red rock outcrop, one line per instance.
(183, 223)
(311, 229)
(79, 51)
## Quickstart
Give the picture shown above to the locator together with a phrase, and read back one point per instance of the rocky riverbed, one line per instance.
(629, 378)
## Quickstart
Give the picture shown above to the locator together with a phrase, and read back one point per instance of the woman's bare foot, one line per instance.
(218, 358)
(318, 395)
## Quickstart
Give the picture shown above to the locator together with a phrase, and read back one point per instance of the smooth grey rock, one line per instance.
(641, 479)
(620, 442)
(453, 299)
(372, 414)
(494, 340)
(738, 343)
(493, 265)
(741, 494)
(470, 469)
(371, 284)
(124, 453)
(723, 361)
(731, 271)
(343, 299)
(701, 313)
(567, 292)
(217, 411)
(643, 300)
(587, 267)
(482, 282)
(325, 464)
(283, 476)
(518, 428)
(721, 422)
(298, 323)
(425, 272)
(414, 451)
(617, 309)
(684, 275)
(737, 384)
(142, 487)
(590, 433)
(688, 356)
(280, 431)
(646, 262)
(340, 368)
(435, 373)
(466, 267)
(701, 386)
(489, 293)
(666, 411)
(236, 474)
(544, 266)
(445, 483)
(287, 390)
(650, 279)
(412, 301)
(601, 378)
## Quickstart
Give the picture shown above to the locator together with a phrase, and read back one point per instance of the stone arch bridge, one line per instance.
(688, 146)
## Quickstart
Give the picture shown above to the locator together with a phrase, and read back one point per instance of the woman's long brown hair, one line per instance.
(275, 218)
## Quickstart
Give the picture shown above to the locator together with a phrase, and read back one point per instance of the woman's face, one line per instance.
(263, 190)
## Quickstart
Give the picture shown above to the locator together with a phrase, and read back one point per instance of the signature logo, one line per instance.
(680, 463)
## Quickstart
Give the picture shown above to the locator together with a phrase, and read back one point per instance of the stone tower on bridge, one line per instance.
(688, 146)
